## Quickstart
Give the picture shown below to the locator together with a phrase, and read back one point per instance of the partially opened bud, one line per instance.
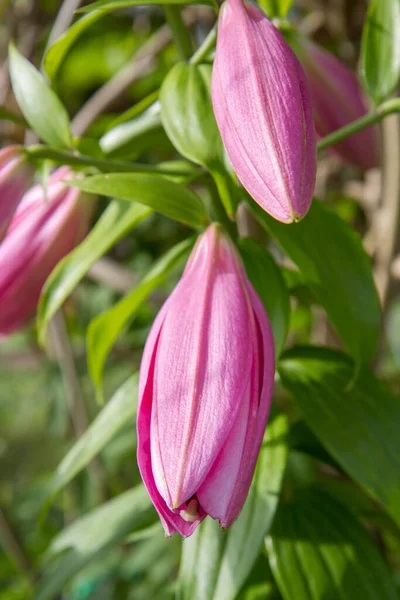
(206, 383)
(42, 231)
(16, 176)
(263, 111)
(338, 99)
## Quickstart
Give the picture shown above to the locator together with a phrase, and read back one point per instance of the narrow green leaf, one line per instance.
(38, 103)
(119, 411)
(58, 50)
(268, 282)
(356, 421)
(159, 193)
(113, 225)
(92, 535)
(380, 49)
(216, 563)
(188, 116)
(319, 551)
(338, 271)
(9, 115)
(104, 330)
(114, 4)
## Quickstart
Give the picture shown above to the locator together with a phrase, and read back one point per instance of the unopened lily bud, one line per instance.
(16, 175)
(338, 99)
(263, 111)
(206, 382)
(43, 230)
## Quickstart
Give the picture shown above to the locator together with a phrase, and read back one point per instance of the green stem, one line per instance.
(224, 192)
(382, 111)
(218, 213)
(205, 48)
(179, 30)
(108, 166)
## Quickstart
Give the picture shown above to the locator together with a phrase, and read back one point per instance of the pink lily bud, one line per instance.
(42, 231)
(263, 111)
(16, 176)
(205, 391)
(338, 99)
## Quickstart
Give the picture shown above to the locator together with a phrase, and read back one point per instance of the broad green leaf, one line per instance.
(38, 103)
(104, 330)
(159, 193)
(356, 421)
(113, 225)
(92, 535)
(319, 551)
(57, 51)
(114, 4)
(277, 8)
(216, 563)
(380, 49)
(119, 411)
(188, 116)
(338, 271)
(268, 282)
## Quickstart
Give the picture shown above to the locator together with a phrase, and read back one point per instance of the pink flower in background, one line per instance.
(16, 175)
(206, 382)
(42, 231)
(338, 99)
(263, 111)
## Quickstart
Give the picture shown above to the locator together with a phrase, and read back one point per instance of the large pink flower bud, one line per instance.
(338, 99)
(16, 176)
(263, 111)
(205, 390)
(42, 231)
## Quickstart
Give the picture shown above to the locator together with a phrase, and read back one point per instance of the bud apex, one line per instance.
(263, 111)
(205, 390)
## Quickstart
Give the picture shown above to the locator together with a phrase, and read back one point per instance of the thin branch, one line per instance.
(13, 547)
(63, 20)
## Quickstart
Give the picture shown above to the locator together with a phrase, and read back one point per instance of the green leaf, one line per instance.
(113, 225)
(268, 282)
(38, 103)
(9, 115)
(159, 193)
(104, 330)
(380, 49)
(356, 421)
(277, 8)
(57, 51)
(319, 551)
(188, 116)
(91, 536)
(338, 271)
(115, 4)
(216, 563)
(119, 411)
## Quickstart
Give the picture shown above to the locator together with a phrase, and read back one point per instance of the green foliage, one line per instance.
(159, 193)
(113, 225)
(380, 51)
(321, 245)
(353, 419)
(39, 104)
(114, 4)
(314, 534)
(277, 8)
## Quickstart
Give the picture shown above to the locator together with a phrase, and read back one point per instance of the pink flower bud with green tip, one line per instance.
(43, 230)
(263, 111)
(338, 99)
(206, 383)
(16, 175)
